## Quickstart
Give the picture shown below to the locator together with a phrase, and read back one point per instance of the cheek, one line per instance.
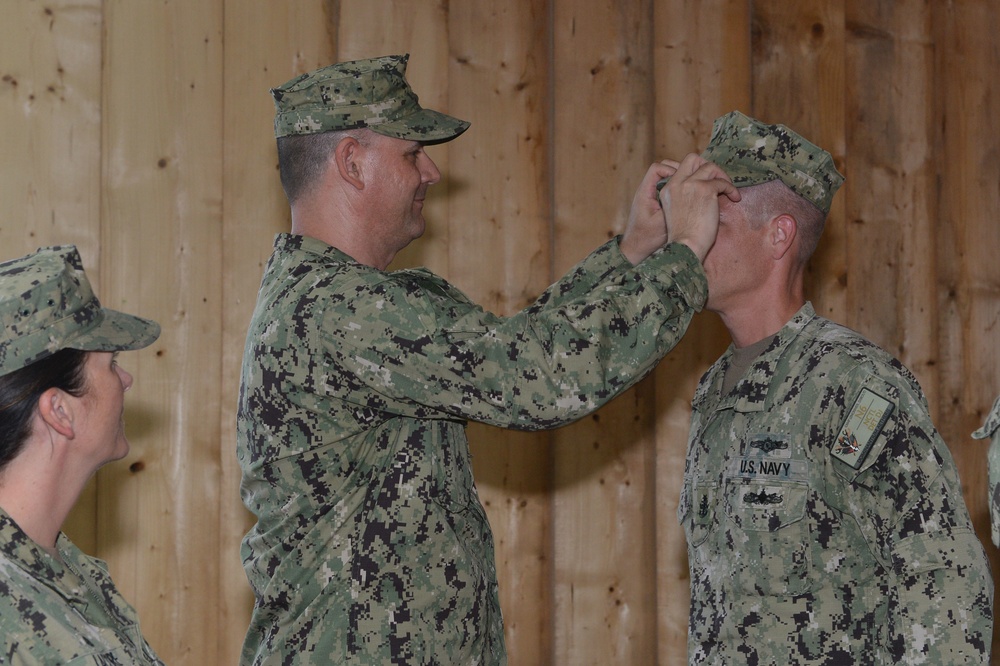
(719, 254)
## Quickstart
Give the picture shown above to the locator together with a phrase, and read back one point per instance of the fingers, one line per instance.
(677, 201)
(663, 171)
(690, 202)
(697, 169)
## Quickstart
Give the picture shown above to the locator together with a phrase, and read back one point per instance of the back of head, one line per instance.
(49, 319)
(763, 202)
(370, 94)
(781, 171)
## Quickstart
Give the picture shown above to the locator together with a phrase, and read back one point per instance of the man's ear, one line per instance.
(348, 157)
(56, 410)
(784, 229)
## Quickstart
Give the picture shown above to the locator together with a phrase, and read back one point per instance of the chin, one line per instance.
(121, 450)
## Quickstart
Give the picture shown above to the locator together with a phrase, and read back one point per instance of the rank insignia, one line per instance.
(864, 424)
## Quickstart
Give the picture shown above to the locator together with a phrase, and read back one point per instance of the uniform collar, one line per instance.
(285, 242)
(17, 546)
(751, 393)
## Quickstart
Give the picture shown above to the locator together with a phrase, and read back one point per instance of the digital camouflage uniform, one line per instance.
(824, 515)
(67, 612)
(64, 611)
(371, 546)
(991, 430)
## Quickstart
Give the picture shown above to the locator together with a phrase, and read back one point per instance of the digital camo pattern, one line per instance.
(47, 304)
(371, 545)
(54, 612)
(991, 430)
(753, 153)
(798, 558)
(370, 93)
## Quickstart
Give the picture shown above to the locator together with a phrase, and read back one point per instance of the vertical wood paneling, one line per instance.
(161, 239)
(50, 107)
(798, 80)
(967, 241)
(605, 600)
(891, 141)
(499, 254)
(141, 131)
(703, 49)
(266, 44)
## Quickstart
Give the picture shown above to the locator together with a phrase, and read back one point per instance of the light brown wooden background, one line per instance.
(140, 130)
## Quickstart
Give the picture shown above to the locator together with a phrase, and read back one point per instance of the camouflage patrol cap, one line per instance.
(753, 153)
(47, 304)
(370, 93)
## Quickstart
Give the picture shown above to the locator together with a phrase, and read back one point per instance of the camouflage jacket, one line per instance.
(371, 545)
(824, 515)
(991, 430)
(66, 612)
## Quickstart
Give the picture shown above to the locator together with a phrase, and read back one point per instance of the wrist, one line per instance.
(699, 249)
(635, 251)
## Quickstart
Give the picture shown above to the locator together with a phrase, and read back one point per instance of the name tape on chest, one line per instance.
(864, 424)
(755, 467)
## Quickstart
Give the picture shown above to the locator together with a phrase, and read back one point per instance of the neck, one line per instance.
(346, 232)
(38, 496)
(761, 316)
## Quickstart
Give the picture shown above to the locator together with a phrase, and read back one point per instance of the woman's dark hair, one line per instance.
(20, 391)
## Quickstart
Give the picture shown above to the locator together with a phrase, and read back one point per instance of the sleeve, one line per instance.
(991, 430)
(413, 345)
(906, 497)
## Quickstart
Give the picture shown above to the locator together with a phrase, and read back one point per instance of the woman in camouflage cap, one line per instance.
(61, 401)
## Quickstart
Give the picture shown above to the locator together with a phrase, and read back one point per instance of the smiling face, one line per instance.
(101, 427)
(400, 174)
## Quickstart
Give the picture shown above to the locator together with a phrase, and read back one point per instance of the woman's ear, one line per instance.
(348, 157)
(56, 410)
(784, 229)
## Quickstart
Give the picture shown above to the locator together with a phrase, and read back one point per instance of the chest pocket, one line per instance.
(767, 531)
(696, 510)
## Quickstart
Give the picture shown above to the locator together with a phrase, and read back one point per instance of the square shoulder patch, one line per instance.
(864, 423)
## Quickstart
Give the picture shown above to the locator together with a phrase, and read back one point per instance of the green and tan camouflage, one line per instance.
(371, 545)
(824, 514)
(991, 431)
(63, 610)
(47, 304)
(371, 93)
(754, 153)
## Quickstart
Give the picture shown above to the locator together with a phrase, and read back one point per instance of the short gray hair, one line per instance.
(763, 202)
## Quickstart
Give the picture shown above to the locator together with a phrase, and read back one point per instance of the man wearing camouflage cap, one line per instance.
(371, 545)
(823, 512)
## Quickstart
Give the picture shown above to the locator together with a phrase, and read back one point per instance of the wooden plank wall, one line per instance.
(140, 130)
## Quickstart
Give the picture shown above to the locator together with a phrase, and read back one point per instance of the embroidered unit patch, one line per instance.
(864, 423)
